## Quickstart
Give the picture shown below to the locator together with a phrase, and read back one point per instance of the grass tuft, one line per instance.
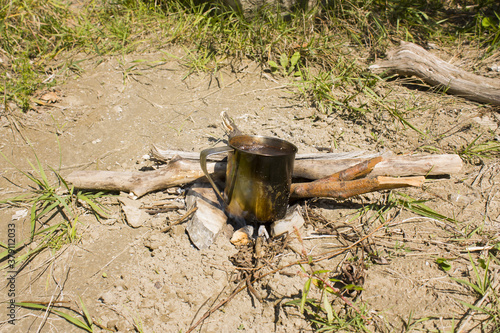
(477, 151)
(85, 323)
(486, 290)
(44, 40)
(45, 202)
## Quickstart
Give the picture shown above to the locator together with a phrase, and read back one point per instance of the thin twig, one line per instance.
(252, 289)
(16, 126)
(210, 93)
(215, 308)
(180, 220)
(53, 298)
(477, 248)
(323, 256)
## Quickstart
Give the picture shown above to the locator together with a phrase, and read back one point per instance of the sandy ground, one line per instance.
(143, 279)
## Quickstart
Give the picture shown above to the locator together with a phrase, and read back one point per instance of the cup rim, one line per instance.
(291, 149)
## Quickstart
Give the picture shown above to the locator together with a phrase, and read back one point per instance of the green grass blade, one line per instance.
(307, 287)
(296, 302)
(471, 285)
(41, 183)
(49, 229)
(5, 253)
(33, 217)
(49, 233)
(61, 179)
(25, 256)
(86, 314)
(473, 307)
(19, 198)
(92, 204)
(418, 207)
(27, 175)
(42, 172)
(328, 309)
(321, 271)
(75, 321)
(63, 202)
(47, 208)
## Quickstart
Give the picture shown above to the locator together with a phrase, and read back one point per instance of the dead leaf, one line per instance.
(50, 97)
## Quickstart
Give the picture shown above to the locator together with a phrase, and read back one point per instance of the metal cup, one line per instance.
(258, 177)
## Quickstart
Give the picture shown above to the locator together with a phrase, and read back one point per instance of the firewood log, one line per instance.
(183, 171)
(410, 59)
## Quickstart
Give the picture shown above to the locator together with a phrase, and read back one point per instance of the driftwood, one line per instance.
(343, 184)
(175, 173)
(184, 171)
(334, 172)
(410, 59)
(356, 171)
(320, 165)
(347, 189)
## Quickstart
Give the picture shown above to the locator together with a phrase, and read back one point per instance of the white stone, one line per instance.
(209, 218)
(134, 215)
(292, 219)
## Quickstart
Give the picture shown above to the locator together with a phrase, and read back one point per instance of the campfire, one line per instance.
(332, 175)
(318, 175)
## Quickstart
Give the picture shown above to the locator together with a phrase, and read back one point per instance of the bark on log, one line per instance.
(357, 171)
(347, 189)
(175, 173)
(180, 171)
(166, 155)
(410, 59)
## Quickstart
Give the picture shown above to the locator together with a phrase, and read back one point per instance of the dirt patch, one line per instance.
(129, 278)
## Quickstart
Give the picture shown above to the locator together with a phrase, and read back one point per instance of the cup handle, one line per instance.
(203, 162)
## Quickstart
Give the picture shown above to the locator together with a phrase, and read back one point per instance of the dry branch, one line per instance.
(357, 171)
(181, 171)
(319, 165)
(410, 59)
(175, 173)
(347, 189)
